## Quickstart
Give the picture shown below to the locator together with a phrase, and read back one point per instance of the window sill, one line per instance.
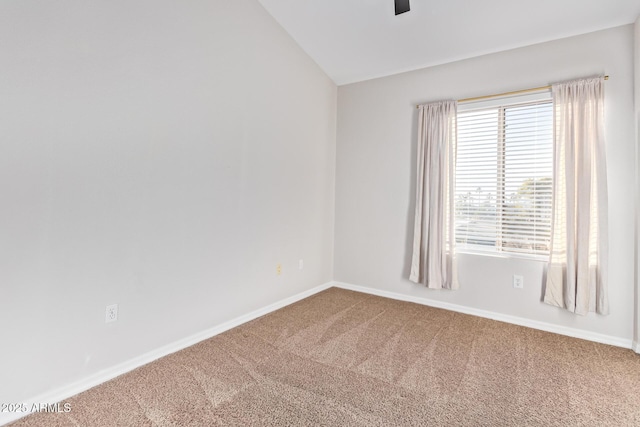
(506, 255)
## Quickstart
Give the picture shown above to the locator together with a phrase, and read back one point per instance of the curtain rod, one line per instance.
(515, 92)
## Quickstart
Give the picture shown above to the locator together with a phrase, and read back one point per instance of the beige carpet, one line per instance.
(343, 358)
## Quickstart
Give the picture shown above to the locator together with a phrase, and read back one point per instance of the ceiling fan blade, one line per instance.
(402, 6)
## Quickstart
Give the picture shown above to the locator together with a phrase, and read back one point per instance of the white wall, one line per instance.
(375, 177)
(159, 154)
(636, 49)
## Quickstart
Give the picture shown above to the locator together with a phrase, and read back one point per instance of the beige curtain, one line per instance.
(577, 270)
(433, 260)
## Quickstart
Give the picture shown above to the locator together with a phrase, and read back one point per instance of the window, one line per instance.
(504, 175)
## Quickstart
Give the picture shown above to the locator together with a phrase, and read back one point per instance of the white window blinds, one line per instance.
(504, 174)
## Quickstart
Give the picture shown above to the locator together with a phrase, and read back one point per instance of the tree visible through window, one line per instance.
(504, 178)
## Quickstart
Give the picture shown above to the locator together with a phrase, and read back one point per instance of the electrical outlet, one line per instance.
(111, 314)
(518, 281)
(300, 264)
(279, 269)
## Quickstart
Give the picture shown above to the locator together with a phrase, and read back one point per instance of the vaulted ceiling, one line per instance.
(355, 40)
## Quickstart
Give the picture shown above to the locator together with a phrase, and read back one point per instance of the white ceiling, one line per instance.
(355, 40)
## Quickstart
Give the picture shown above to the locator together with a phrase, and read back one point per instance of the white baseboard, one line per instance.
(535, 324)
(636, 347)
(98, 378)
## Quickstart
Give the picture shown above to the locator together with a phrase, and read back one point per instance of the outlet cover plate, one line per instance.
(518, 281)
(111, 314)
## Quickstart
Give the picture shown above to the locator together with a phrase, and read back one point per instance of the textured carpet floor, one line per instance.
(343, 358)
